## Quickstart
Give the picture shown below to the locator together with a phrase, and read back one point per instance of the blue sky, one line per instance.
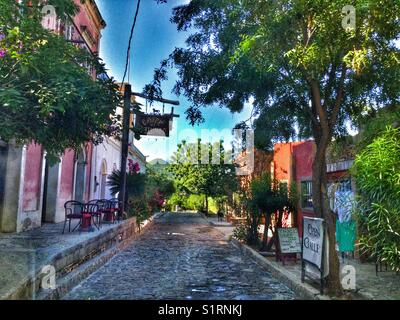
(154, 39)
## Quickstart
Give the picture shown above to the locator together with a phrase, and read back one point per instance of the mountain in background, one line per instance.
(158, 162)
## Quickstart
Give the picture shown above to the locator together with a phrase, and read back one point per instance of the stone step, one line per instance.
(77, 262)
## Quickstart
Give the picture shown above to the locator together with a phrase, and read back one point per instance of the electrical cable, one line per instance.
(130, 41)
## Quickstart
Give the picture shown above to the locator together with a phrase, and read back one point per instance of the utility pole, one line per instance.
(124, 146)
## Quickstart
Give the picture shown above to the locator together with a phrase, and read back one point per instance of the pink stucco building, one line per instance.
(32, 191)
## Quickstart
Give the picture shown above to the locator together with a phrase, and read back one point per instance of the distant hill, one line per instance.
(158, 162)
(157, 165)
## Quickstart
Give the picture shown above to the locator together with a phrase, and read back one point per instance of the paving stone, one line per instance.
(181, 257)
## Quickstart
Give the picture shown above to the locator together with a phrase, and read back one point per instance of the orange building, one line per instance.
(292, 163)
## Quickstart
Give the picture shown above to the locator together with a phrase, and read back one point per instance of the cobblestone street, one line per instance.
(181, 257)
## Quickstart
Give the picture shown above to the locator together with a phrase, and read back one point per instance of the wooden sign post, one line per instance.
(148, 122)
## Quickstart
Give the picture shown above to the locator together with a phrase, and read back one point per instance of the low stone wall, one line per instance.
(94, 252)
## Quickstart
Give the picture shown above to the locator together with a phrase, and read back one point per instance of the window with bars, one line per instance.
(306, 194)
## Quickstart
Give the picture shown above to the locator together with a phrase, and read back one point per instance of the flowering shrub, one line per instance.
(133, 167)
(139, 208)
(157, 200)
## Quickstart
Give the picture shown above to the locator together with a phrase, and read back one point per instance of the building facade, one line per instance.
(33, 191)
(292, 163)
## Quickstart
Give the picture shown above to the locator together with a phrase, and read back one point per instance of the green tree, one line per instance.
(270, 198)
(135, 183)
(200, 169)
(304, 70)
(46, 92)
(253, 215)
(159, 185)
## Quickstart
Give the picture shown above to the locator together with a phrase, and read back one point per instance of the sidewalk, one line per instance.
(23, 255)
(384, 286)
(224, 227)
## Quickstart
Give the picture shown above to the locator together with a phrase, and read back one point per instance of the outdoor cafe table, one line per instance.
(86, 223)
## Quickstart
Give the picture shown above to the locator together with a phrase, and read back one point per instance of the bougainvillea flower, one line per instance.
(136, 167)
(133, 166)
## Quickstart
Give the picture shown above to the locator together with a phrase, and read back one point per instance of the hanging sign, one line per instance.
(153, 124)
(289, 241)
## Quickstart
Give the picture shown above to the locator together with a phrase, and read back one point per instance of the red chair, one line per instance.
(116, 208)
(102, 204)
(110, 210)
(90, 210)
(73, 210)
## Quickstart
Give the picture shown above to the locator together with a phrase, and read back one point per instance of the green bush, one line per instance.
(177, 199)
(377, 172)
(241, 233)
(195, 202)
(139, 208)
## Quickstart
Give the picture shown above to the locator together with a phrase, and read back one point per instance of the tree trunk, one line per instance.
(322, 209)
(271, 242)
(278, 224)
(206, 205)
(266, 227)
(253, 234)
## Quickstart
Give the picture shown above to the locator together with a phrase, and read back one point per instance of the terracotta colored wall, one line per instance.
(282, 161)
(262, 164)
(32, 178)
(293, 162)
(304, 157)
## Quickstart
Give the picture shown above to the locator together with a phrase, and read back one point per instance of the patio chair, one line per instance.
(91, 209)
(102, 205)
(110, 209)
(116, 207)
(73, 210)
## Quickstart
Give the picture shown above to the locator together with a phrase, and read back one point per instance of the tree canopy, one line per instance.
(309, 65)
(46, 92)
(200, 168)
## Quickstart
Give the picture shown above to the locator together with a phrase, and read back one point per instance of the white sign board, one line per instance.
(289, 240)
(313, 236)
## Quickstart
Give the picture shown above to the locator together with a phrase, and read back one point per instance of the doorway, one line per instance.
(50, 191)
(80, 170)
(103, 179)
